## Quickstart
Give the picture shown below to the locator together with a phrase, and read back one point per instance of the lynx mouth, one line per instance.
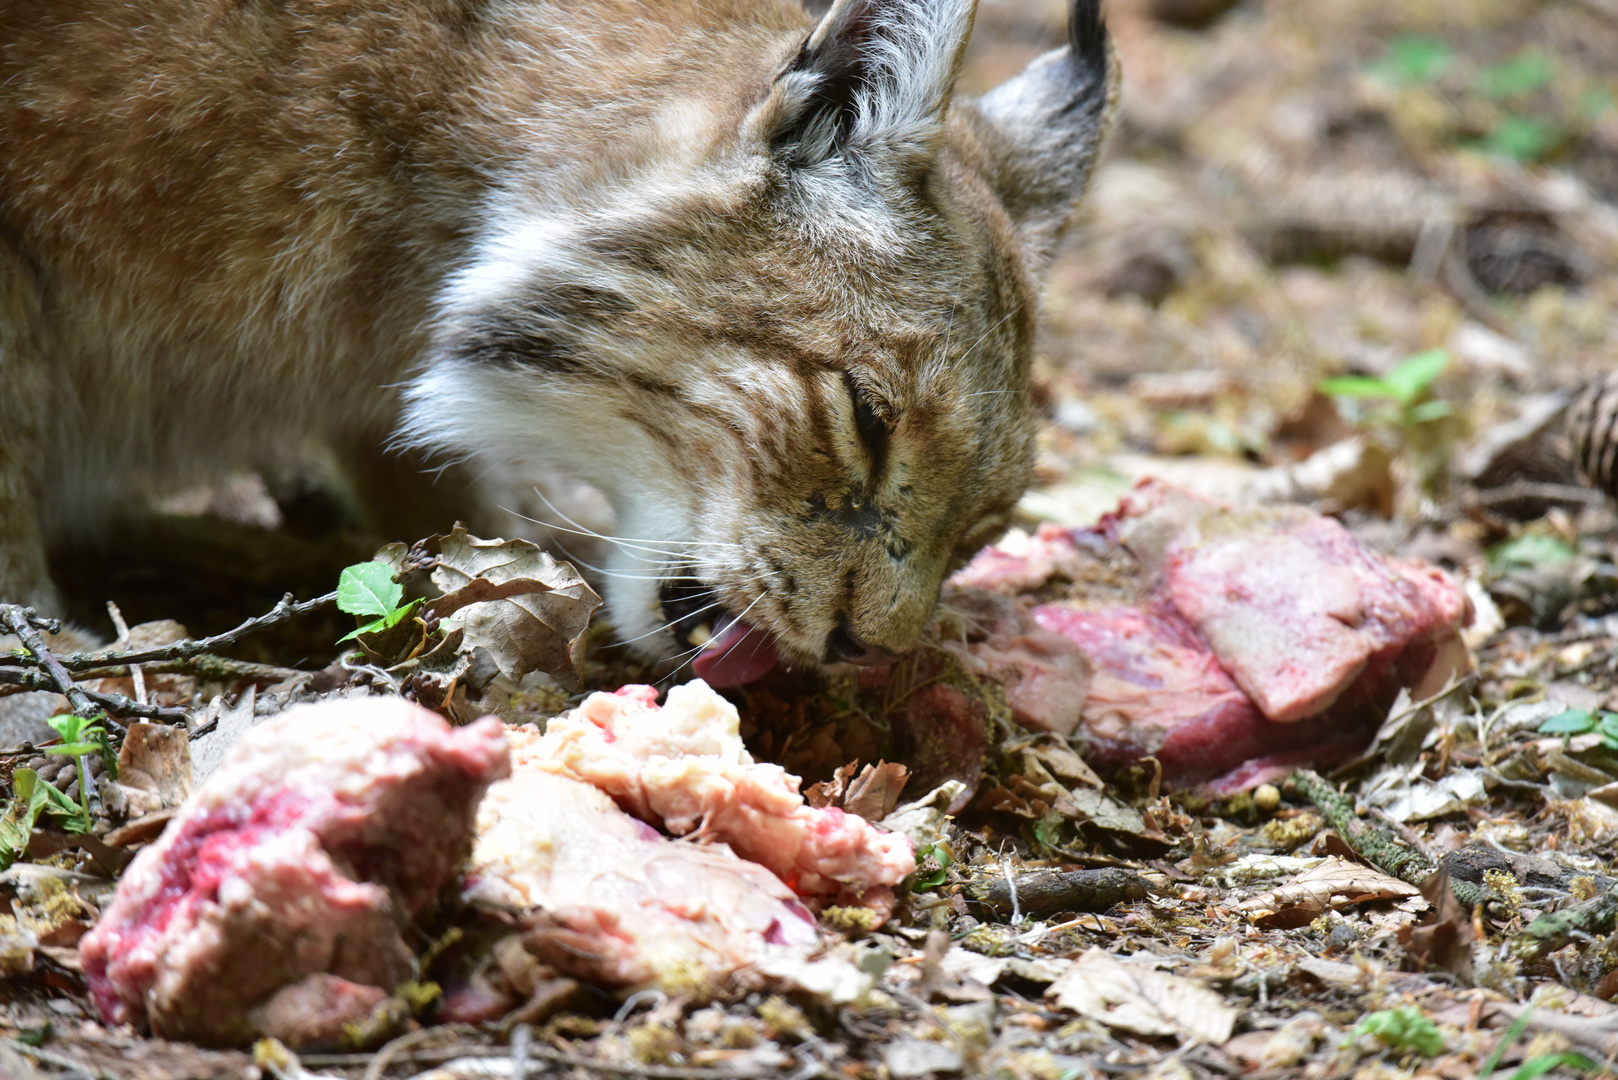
(732, 652)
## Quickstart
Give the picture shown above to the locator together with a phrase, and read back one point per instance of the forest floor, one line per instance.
(1420, 199)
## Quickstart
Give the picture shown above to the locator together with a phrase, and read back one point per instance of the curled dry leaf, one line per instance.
(508, 597)
(873, 794)
(1444, 938)
(1335, 883)
(1142, 1000)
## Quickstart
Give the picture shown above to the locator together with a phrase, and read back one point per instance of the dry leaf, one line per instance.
(1142, 1000)
(527, 611)
(1445, 937)
(231, 722)
(1335, 883)
(872, 795)
(154, 767)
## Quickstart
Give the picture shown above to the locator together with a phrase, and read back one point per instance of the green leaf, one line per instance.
(399, 615)
(1404, 1028)
(32, 792)
(1429, 410)
(1539, 1066)
(1414, 58)
(76, 749)
(368, 589)
(45, 798)
(1411, 376)
(368, 628)
(922, 881)
(1531, 550)
(68, 726)
(1513, 1033)
(386, 622)
(17, 822)
(1522, 74)
(1571, 722)
(1608, 725)
(1355, 386)
(1522, 138)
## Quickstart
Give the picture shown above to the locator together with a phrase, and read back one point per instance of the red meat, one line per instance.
(304, 854)
(1218, 639)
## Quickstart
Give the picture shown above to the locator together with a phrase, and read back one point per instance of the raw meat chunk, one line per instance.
(1217, 637)
(683, 767)
(304, 854)
(1044, 674)
(1293, 606)
(607, 898)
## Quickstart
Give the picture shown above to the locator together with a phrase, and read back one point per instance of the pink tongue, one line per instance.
(738, 654)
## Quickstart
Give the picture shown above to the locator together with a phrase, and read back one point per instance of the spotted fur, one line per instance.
(756, 277)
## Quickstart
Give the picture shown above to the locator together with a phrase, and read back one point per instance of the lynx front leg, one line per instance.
(23, 404)
(24, 401)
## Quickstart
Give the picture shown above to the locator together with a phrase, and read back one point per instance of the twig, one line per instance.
(1529, 489)
(185, 650)
(1546, 934)
(206, 666)
(136, 677)
(26, 625)
(1376, 842)
(61, 1062)
(384, 1057)
(116, 704)
(1038, 893)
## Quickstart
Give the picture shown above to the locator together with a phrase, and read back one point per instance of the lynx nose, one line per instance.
(843, 646)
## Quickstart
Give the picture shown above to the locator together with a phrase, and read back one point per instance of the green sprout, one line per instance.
(80, 738)
(1522, 74)
(1522, 138)
(1404, 389)
(1534, 1067)
(1413, 58)
(1582, 722)
(1404, 1028)
(925, 881)
(1531, 551)
(368, 588)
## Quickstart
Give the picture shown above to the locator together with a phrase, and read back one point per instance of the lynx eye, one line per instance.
(872, 428)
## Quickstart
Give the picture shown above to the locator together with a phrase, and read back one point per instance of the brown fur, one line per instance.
(774, 299)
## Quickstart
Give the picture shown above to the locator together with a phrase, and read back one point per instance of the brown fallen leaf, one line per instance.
(154, 768)
(509, 598)
(1443, 939)
(1142, 1000)
(1335, 883)
(872, 795)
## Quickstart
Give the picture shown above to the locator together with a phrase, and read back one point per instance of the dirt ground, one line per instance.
(1294, 192)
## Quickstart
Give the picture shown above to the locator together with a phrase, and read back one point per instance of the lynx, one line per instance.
(758, 277)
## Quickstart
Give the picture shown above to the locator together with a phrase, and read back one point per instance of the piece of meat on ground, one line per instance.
(1217, 638)
(607, 899)
(682, 767)
(305, 853)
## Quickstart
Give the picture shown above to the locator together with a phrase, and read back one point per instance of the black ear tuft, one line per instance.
(1048, 126)
(1087, 35)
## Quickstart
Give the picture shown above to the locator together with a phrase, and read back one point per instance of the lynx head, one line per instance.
(784, 323)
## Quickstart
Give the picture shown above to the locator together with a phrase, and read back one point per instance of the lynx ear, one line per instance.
(1046, 128)
(870, 85)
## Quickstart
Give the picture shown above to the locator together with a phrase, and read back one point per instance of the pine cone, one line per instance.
(1592, 427)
